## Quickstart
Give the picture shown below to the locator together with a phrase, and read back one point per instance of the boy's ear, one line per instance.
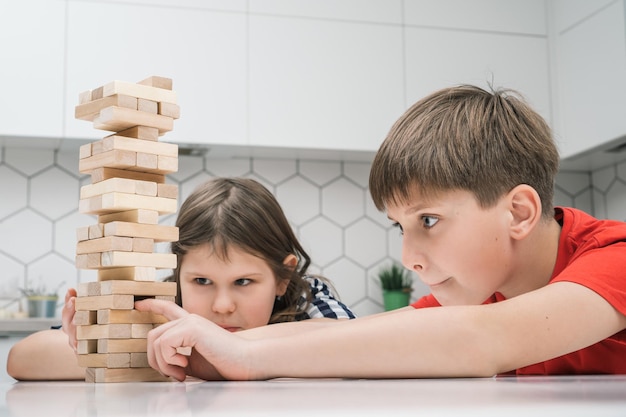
(525, 207)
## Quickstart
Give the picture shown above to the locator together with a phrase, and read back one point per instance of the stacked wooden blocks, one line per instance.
(128, 193)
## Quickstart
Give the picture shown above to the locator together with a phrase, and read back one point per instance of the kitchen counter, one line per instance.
(26, 326)
(506, 396)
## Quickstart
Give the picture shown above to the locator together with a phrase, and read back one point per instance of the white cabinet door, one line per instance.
(502, 43)
(202, 50)
(31, 67)
(591, 72)
(323, 83)
(439, 58)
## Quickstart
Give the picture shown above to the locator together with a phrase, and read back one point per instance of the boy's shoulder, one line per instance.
(579, 228)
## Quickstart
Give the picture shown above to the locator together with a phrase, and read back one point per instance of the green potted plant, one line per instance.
(41, 302)
(396, 284)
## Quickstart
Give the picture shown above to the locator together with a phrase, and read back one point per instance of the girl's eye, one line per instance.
(243, 281)
(429, 221)
(398, 226)
(203, 281)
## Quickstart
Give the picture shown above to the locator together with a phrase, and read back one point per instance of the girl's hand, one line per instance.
(69, 310)
(169, 345)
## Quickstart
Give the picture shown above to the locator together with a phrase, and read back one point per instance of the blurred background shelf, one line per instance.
(25, 326)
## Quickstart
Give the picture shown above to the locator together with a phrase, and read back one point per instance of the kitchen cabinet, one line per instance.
(317, 76)
(202, 50)
(590, 67)
(31, 69)
(323, 84)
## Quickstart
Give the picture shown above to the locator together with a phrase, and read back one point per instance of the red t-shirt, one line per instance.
(592, 253)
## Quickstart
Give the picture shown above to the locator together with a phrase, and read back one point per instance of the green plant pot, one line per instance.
(42, 305)
(394, 299)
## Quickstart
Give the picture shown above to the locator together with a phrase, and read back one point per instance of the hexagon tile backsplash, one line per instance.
(327, 203)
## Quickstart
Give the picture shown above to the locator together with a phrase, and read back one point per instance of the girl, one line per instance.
(239, 266)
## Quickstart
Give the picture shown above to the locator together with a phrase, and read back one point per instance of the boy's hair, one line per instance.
(241, 213)
(466, 138)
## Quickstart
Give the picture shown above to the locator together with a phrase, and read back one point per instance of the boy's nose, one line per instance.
(412, 256)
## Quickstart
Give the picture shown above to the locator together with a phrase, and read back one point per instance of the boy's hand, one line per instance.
(67, 315)
(169, 345)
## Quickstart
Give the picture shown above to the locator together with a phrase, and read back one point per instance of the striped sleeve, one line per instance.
(324, 303)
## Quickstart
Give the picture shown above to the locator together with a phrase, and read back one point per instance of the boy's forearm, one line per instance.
(379, 347)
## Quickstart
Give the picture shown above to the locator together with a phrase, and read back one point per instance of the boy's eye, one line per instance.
(203, 281)
(398, 226)
(243, 281)
(429, 221)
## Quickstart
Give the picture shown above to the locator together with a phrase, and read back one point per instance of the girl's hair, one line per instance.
(241, 213)
(470, 139)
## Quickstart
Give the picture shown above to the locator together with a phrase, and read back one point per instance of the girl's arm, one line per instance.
(44, 355)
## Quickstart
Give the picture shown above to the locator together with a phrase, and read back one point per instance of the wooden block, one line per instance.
(129, 316)
(139, 145)
(89, 260)
(139, 273)
(86, 317)
(115, 202)
(122, 185)
(103, 302)
(139, 91)
(139, 360)
(126, 160)
(156, 81)
(116, 119)
(148, 106)
(142, 216)
(84, 151)
(87, 346)
(103, 173)
(157, 260)
(147, 161)
(102, 375)
(158, 232)
(167, 190)
(112, 159)
(167, 164)
(139, 132)
(97, 93)
(169, 110)
(82, 233)
(122, 345)
(104, 331)
(105, 360)
(140, 330)
(89, 111)
(84, 97)
(142, 244)
(96, 231)
(127, 287)
(108, 243)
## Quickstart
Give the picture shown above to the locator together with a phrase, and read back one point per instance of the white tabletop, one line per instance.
(589, 396)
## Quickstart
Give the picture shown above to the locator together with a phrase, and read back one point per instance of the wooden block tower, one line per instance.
(128, 193)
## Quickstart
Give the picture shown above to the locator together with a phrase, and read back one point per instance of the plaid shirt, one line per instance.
(324, 303)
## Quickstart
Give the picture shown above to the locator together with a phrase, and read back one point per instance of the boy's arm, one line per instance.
(459, 341)
(44, 355)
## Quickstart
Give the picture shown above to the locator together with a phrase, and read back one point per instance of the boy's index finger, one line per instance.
(169, 309)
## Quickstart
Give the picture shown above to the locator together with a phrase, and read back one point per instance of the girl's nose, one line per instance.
(223, 303)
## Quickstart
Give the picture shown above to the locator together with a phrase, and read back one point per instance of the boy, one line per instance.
(467, 176)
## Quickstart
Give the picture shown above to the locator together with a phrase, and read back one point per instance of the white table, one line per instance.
(590, 396)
